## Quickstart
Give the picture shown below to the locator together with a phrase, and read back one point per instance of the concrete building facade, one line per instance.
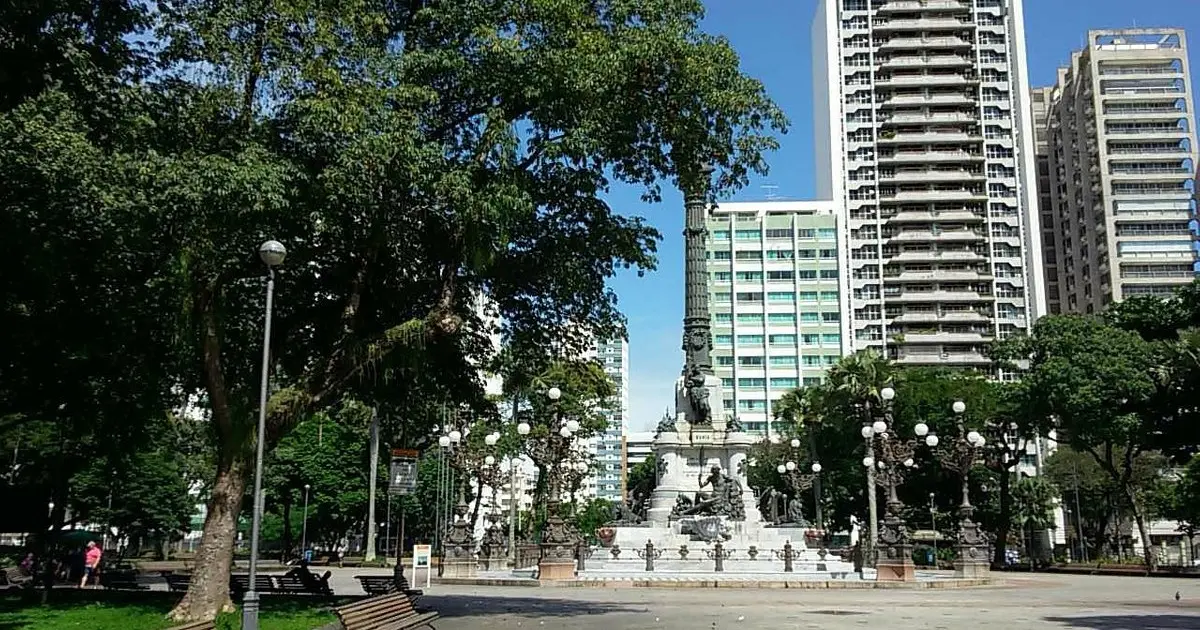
(608, 481)
(775, 290)
(924, 143)
(1121, 156)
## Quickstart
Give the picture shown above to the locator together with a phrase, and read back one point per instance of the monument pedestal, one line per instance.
(895, 564)
(459, 568)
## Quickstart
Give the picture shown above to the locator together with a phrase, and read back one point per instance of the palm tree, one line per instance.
(860, 377)
(1033, 508)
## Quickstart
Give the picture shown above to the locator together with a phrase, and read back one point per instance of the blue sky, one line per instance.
(772, 37)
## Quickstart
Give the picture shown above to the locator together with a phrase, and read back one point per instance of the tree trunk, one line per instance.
(208, 592)
(287, 529)
(1139, 517)
(1004, 527)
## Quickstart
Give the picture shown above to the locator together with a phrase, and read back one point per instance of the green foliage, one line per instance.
(591, 516)
(642, 478)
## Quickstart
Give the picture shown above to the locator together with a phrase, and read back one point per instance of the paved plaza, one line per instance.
(1023, 603)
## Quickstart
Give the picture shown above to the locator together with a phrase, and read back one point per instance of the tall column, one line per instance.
(697, 333)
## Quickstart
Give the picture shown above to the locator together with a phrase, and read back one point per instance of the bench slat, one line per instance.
(196, 625)
(383, 612)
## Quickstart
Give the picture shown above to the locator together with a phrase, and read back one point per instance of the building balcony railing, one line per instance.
(928, 156)
(929, 6)
(936, 317)
(924, 43)
(925, 61)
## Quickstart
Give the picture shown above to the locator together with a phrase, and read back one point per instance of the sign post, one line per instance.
(402, 479)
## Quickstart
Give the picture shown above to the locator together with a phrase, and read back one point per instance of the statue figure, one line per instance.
(639, 505)
(698, 341)
(733, 499)
(666, 425)
(768, 505)
(725, 498)
(697, 393)
(623, 514)
(795, 512)
(662, 468)
(734, 425)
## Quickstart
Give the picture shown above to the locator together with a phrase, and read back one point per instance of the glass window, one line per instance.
(722, 276)
(721, 255)
(828, 253)
(830, 317)
(727, 383)
(810, 317)
(750, 296)
(720, 235)
(723, 318)
(752, 382)
(750, 318)
(752, 405)
(783, 361)
(749, 340)
(783, 340)
(831, 338)
(784, 382)
(747, 235)
(781, 318)
(830, 359)
(827, 233)
(780, 275)
(806, 253)
(807, 274)
(780, 296)
(749, 276)
(829, 274)
(724, 361)
(722, 297)
(811, 339)
(779, 233)
(750, 361)
(812, 381)
(806, 233)
(812, 360)
(829, 295)
(748, 254)
(780, 254)
(723, 340)
(808, 296)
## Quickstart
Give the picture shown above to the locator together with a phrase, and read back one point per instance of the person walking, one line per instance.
(91, 563)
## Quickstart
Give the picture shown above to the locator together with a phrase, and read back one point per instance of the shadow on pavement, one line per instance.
(480, 605)
(1129, 622)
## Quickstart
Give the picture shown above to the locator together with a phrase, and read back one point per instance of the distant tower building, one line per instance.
(609, 480)
(924, 141)
(1121, 160)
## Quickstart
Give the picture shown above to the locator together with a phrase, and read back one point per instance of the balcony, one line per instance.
(926, 216)
(1127, 71)
(925, 118)
(938, 337)
(952, 317)
(926, 61)
(928, 23)
(927, 6)
(928, 276)
(941, 236)
(932, 195)
(908, 356)
(937, 98)
(924, 43)
(925, 157)
(935, 296)
(936, 256)
(930, 175)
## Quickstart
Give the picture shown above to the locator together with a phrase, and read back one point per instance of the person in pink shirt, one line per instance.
(91, 563)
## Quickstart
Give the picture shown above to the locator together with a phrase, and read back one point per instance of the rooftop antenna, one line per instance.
(771, 191)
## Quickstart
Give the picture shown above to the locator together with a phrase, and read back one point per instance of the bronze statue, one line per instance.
(697, 393)
(725, 499)
(795, 512)
(666, 425)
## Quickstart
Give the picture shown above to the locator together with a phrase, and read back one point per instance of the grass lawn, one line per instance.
(147, 611)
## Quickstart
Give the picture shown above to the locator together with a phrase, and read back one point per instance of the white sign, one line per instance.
(423, 559)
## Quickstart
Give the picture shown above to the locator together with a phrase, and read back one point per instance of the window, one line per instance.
(829, 295)
(749, 340)
(810, 317)
(721, 255)
(752, 382)
(830, 359)
(806, 233)
(808, 296)
(747, 235)
(779, 233)
(780, 254)
(748, 254)
(750, 361)
(812, 381)
(811, 339)
(724, 361)
(827, 233)
(722, 276)
(752, 405)
(807, 274)
(831, 338)
(812, 360)
(722, 340)
(778, 276)
(721, 297)
(783, 340)
(750, 296)
(779, 296)
(723, 318)
(783, 361)
(750, 318)
(720, 235)
(828, 253)
(727, 383)
(784, 383)
(781, 318)
(749, 276)
(830, 317)
(806, 253)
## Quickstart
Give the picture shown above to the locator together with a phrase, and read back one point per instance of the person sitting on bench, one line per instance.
(308, 578)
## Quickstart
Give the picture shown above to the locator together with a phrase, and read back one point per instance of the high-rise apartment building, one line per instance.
(608, 482)
(924, 142)
(1042, 98)
(776, 300)
(1121, 157)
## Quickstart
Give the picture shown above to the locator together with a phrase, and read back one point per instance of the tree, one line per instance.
(1099, 382)
(1033, 509)
(642, 478)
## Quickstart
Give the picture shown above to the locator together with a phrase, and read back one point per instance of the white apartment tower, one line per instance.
(924, 141)
(1121, 156)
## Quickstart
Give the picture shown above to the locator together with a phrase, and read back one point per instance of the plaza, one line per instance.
(1036, 602)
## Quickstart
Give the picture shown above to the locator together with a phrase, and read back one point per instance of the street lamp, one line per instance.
(558, 539)
(960, 456)
(890, 458)
(304, 527)
(272, 254)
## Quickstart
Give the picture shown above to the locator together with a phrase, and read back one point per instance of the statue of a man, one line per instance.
(795, 512)
(715, 502)
(697, 393)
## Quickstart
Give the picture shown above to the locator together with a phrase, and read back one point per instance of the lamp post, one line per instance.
(272, 254)
(961, 455)
(890, 458)
(304, 526)
(799, 481)
(558, 539)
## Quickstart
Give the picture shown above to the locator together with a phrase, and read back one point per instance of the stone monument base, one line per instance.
(899, 569)
(555, 570)
(972, 569)
(464, 568)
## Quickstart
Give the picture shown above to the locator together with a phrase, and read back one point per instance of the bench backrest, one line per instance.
(373, 611)
(293, 582)
(261, 582)
(196, 625)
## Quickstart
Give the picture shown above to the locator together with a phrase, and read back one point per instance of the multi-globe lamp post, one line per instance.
(558, 537)
(799, 481)
(960, 455)
(890, 458)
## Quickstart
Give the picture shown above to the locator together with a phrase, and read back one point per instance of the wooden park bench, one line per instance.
(384, 612)
(15, 577)
(240, 583)
(177, 582)
(386, 585)
(196, 625)
(293, 584)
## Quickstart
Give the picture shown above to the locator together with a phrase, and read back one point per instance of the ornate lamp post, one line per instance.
(891, 458)
(799, 481)
(960, 456)
(559, 539)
